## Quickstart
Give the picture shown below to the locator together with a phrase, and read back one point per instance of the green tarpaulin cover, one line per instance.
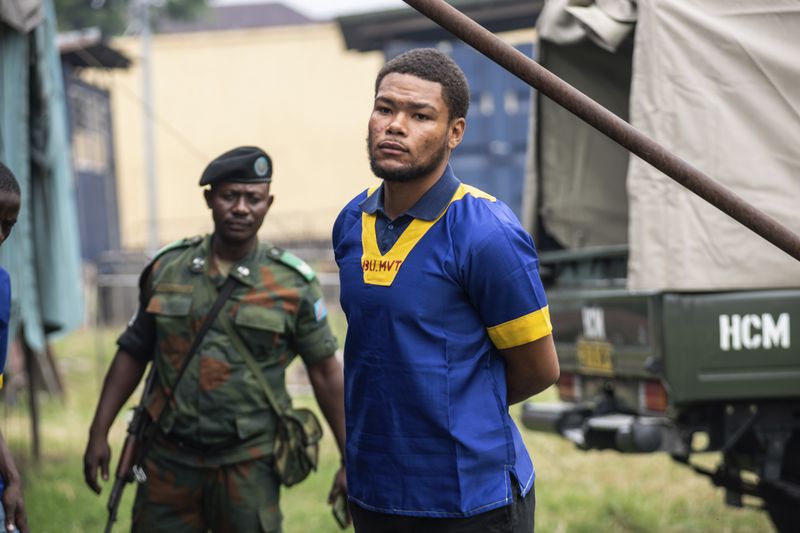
(42, 255)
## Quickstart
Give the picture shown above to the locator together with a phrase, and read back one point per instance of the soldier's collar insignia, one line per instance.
(197, 264)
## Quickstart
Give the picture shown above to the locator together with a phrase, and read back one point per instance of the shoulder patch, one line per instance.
(177, 245)
(293, 262)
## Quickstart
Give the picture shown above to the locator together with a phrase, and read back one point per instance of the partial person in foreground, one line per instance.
(448, 323)
(211, 466)
(12, 510)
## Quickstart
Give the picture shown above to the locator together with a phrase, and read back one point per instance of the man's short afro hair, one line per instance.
(8, 183)
(432, 65)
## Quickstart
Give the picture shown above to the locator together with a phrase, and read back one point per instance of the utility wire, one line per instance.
(168, 128)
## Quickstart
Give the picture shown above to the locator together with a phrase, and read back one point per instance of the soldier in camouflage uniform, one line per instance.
(210, 465)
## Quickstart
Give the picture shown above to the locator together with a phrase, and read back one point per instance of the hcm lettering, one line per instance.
(753, 331)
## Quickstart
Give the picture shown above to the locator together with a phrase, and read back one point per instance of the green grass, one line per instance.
(576, 491)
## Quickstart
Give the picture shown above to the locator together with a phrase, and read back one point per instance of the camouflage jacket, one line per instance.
(221, 415)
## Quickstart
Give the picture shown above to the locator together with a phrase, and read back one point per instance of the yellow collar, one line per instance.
(382, 269)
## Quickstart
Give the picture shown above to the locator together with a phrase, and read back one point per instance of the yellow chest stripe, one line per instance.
(382, 269)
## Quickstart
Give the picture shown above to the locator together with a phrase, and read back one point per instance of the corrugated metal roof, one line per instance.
(88, 48)
(231, 17)
(372, 31)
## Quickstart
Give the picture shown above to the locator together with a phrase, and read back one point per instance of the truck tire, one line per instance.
(782, 509)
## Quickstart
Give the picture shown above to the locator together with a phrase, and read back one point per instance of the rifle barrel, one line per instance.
(130, 450)
(113, 502)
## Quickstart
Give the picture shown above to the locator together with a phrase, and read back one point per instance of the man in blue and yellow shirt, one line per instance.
(447, 323)
(12, 505)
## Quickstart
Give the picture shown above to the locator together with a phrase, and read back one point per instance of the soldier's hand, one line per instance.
(98, 454)
(15, 508)
(339, 485)
(339, 490)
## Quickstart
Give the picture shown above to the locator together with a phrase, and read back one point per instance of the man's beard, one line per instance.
(408, 173)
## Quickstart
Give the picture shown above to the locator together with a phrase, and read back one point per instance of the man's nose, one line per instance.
(397, 126)
(240, 205)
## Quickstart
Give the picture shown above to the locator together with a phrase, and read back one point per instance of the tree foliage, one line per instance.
(114, 17)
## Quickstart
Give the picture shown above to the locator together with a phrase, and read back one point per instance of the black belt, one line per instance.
(192, 446)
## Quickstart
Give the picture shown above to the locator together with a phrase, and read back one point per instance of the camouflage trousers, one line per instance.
(176, 498)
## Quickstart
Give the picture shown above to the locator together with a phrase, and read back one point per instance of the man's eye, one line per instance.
(383, 110)
(420, 116)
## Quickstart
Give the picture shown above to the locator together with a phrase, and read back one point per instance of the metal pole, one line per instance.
(608, 123)
(149, 145)
(33, 400)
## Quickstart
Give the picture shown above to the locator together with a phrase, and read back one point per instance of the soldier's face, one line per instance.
(410, 132)
(238, 210)
(9, 210)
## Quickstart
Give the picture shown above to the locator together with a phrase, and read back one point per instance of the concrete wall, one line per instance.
(295, 91)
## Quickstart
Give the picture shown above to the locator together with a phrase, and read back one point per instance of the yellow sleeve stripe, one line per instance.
(1, 381)
(522, 330)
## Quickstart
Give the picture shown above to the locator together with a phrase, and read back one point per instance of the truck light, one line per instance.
(569, 387)
(652, 396)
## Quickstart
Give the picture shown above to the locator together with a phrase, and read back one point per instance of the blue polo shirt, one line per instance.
(428, 427)
(5, 315)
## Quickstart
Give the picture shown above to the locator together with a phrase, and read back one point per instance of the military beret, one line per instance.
(245, 164)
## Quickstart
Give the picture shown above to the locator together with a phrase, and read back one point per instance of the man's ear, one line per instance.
(269, 201)
(207, 195)
(456, 133)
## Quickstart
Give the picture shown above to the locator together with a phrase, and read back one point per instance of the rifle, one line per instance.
(129, 467)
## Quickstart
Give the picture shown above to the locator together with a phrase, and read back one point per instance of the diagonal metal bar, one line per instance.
(608, 123)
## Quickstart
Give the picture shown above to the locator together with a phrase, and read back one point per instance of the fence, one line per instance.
(113, 288)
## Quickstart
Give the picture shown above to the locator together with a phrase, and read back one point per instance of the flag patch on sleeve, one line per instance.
(320, 311)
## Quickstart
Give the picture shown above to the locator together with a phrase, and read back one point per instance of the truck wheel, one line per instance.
(783, 515)
(783, 509)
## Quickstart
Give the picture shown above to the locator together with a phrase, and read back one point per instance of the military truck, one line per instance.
(676, 327)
